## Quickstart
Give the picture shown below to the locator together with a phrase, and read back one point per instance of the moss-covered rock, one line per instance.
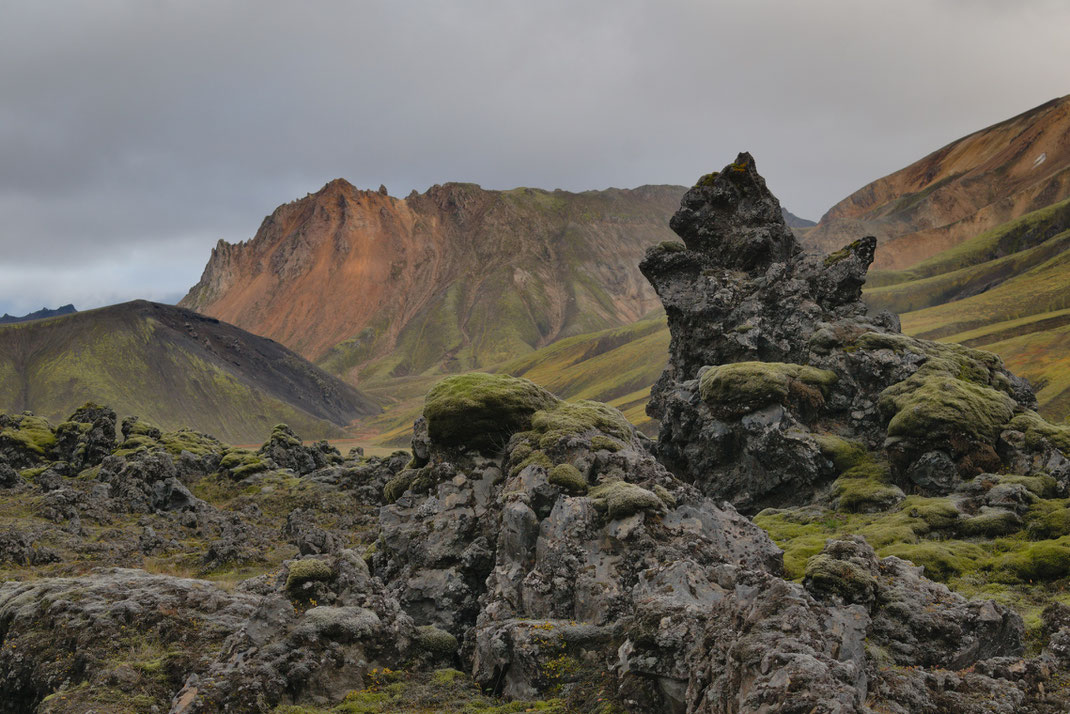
(864, 480)
(990, 523)
(436, 641)
(1037, 429)
(28, 440)
(925, 407)
(300, 572)
(741, 387)
(481, 411)
(621, 499)
(574, 418)
(848, 580)
(569, 478)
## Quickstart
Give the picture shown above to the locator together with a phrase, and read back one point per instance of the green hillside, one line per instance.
(174, 367)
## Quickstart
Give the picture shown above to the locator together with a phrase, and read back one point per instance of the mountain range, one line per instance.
(44, 312)
(387, 294)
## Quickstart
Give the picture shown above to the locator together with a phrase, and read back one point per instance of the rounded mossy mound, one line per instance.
(740, 387)
(936, 405)
(481, 411)
(621, 499)
(436, 641)
(305, 571)
(569, 478)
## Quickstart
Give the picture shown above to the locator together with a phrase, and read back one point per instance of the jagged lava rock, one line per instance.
(773, 353)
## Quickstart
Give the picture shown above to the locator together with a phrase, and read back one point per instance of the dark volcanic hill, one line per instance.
(174, 367)
(44, 312)
(970, 186)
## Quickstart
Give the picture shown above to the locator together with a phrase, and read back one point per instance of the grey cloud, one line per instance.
(129, 129)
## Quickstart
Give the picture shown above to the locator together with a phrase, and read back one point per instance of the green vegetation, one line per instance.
(574, 418)
(133, 358)
(1021, 561)
(620, 499)
(744, 386)
(436, 641)
(569, 478)
(928, 406)
(481, 411)
(300, 572)
(864, 481)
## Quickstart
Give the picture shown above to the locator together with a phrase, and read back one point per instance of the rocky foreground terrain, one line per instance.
(534, 554)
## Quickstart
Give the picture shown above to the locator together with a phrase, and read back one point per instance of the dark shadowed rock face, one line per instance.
(775, 365)
(734, 215)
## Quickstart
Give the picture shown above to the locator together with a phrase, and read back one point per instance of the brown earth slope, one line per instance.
(969, 186)
(455, 278)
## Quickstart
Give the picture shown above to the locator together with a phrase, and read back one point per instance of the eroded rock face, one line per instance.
(808, 364)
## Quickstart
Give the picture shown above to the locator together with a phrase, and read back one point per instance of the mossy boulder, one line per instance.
(844, 578)
(574, 418)
(436, 641)
(990, 523)
(928, 407)
(481, 411)
(301, 572)
(26, 440)
(741, 387)
(621, 499)
(1037, 430)
(569, 478)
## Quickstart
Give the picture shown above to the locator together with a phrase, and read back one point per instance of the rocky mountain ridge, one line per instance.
(44, 312)
(971, 185)
(450, 279)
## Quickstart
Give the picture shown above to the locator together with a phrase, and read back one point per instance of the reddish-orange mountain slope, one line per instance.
(451, 279)
(957, 192)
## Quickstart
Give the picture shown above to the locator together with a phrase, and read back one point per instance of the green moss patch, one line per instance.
(863, 482)
(481, 411)
(1037, 429)
(740, 387)
(304, 571)
(621, 499)
(569, 478)
(927, 406)
(436, 641)
(575, 418)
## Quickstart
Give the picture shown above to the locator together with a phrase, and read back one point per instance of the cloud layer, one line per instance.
(133, 135)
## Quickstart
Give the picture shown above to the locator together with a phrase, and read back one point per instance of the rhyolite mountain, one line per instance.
(173, 367)
(458, 277)
(959, 191)
(548, 553)
(38, 314)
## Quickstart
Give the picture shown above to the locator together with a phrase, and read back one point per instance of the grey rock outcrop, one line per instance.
(773, 352)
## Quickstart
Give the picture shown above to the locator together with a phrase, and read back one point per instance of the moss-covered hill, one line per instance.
(173, 366)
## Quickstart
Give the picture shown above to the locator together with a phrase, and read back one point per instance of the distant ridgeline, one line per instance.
(39, 315)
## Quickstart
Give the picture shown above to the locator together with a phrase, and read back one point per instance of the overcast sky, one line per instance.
(134, 134)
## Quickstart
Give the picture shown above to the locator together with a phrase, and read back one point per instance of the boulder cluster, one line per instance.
(551, 554)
